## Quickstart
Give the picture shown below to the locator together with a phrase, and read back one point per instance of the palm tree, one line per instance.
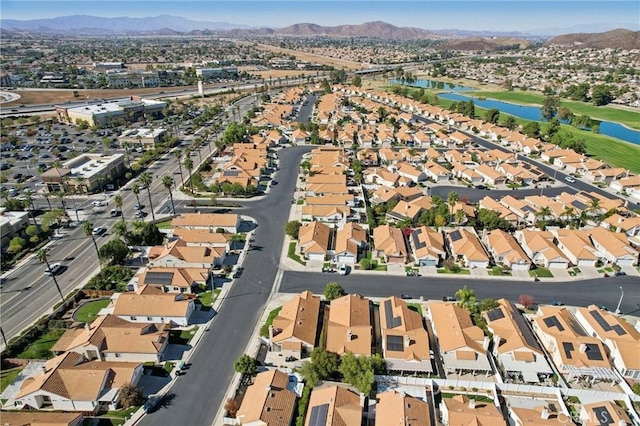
(544, 213)
(47, 195)
(188, 164)
(117, 201)
(120, 229)
(178, 155)
(452, 199)
(146, 179)
(569, 214)
(594, 208)
(87, 228)
(467, 297)
(42, 257)
(136, 191)
(167, 181)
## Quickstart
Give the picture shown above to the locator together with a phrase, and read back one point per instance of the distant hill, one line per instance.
(618, 39)
(93, 24)
(377, 29)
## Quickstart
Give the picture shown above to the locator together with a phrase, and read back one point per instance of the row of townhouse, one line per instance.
(572, 162)
(319, 241)
(463, 347)
(94, 361)
(248, 163)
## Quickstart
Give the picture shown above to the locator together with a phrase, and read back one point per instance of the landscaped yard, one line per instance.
(89, 311)
(208, 297)
(8, 376)
(448, 271)
(416, 307)
(41, 348)
(264, 330)
(116, 418)
(497, 271)
(541, 273)
(164, 225)
(293, 255)
(182, 337)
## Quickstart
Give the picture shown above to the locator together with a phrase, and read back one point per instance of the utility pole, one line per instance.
(620, 301)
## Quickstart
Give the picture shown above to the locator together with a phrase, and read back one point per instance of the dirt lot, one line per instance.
(52, 96)
(313, 58)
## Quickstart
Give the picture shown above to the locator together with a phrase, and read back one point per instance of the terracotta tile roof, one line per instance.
(397, 409)
(328, 188)
(577, 243)
(344, 406)
(298, 319)
(615, 243)
(202, 220)
(188, 254)
(409, 191)
(454, 328)
(542, 242)
(349, 238)
(405, 209)
(430, 243)
(200, 236)
(389, 240)
(512, 337)
(384, 194)
(314, 237)
(151, 302)
(594, 414)
(461, 414)
(506, 249)
(181, 277)
(317, 212)
(534, 416)
(268, 401)
(329, 200)
(320, 178)
(561, 326)
(40, 418)
(468, 245)
(349, 328)
(415, 340)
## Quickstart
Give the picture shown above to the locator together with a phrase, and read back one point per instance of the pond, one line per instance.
(615, 130)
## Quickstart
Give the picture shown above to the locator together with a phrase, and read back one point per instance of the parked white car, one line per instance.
(342, 269)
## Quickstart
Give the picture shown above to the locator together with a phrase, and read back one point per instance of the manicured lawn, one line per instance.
(460, 272)
(164, 225)
(541, 273)
(207, 298)
(416, 307)
(497, 271)
(182, 337)
(293, 255)
(116, 418)
(608, 269)
(8, 376)
(628, 118)
(264, 330)
(168, 366)
(41, 348)
(300, 201)
(89, 311)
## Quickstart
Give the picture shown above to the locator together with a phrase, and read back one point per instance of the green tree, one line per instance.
(365, 264)
(323, 366)
(492, 115)
(467, 297)
(553, 128)
(601, 94)
(55, 216)
(549, 107)
(532, 129)
(178, 155)
(130, 396)
(42, 257)
(452, 200)
(510, 122)
(146, 179)
(356, 81)
(188, 164)
(135, 188)
(87, 228)
(114, 252)
(16, 245)
(333, 290)
(292, 229)
(360, 371)
(117, 202)
(120, 229)
(245, 365)
(167, 182)
(490, 220)
(34, 233)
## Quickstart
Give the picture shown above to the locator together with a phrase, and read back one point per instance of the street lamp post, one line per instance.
(620, 301)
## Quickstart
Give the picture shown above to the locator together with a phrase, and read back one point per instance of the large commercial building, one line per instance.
(101, 114)
(85, 173)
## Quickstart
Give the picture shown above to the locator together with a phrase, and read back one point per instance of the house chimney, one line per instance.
(270, 332)
(544, 414)
(622, 423)
(472, 404)
(349, 335)
(407, 341)
(43, 369)
(87, 327)
(583, 348)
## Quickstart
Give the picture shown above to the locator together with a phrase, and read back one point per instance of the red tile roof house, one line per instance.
(313, 241)
(465, 246)
(389, 244)
(350, 243)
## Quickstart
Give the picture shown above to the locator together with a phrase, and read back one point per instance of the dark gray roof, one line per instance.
(161, 278)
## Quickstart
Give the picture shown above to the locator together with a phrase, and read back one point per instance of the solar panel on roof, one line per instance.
(578, 205)
(455, 235)
(568, 348)
(528, 209)
(390, 320)
(394, 343)
(416, 241)
(162, 278)
(232, 173)
(525, 329)
(593, 352)
(495, 314)
(319, 415)
(605, 325)
(553, 322)
(603, 417)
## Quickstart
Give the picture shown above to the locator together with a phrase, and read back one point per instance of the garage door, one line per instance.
(428, 262)
(315, 256)
(345, 259)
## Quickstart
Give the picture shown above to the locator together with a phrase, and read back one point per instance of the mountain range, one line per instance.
(79, 25)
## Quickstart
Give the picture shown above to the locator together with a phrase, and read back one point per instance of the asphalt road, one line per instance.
(601, 291)
(474, 195)
(196, 397)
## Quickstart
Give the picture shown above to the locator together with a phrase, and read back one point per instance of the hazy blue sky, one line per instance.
(472, 15)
